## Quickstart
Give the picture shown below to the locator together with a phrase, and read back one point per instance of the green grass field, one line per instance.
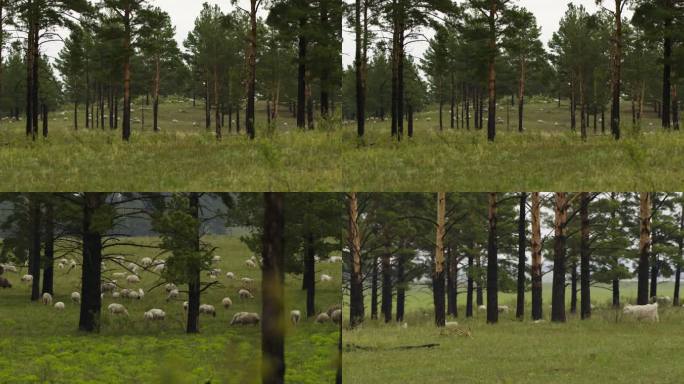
(547, 156)
(605, 349)
(182, 157)
(40, 344)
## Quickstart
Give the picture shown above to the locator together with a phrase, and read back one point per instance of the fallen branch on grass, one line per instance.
(353, 347)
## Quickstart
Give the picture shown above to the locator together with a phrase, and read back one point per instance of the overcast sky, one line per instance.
(548, 13)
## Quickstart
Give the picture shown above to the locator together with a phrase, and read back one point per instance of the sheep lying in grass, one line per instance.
(119, 275)
(322, 318)
(207, 309)
(76, 297)
(117, 309)
(27, 279)
(245, 294)
(336, 316)
(47, 299)
(249, 263)
(227, 302)
(133, 279)
(245, 318)
(59, 306)
(154, 314)
(230, 275)
(451, 324)
(295, 315)
(325, 278)
(642, 312)
(4, 283)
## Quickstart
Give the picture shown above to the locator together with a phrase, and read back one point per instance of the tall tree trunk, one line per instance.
(644, 246)
(616, 73)
(438, 274)
(386, 286)
(479, 297)
(49, 248)
(155, 105)
(356, 308)
(34, 248)
(401, 288)
(678, 264)
(91, 273)
(374, 290)
(522, 247)
(491, 111)
(573, 287)
(585, 257)
(194, 280)
(451, 282)
(45, 120)
(126, 128)
(675, 108)
(521, 95)
(616, 293)
(558, 293)
(667, 68)
(217, 102)
(469, 289)
(536, 273)
(273, 288)
(251, 71)
(492, 264)
(310, 276)
(301, 76)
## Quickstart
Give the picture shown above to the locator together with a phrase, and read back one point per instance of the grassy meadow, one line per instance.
(184, 156)
(605, 349)
(40, 344)
(547, 156)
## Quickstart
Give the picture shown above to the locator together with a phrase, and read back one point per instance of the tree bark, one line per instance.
(469, 289)
(301, 76)
(49, 248)
(558, 293)
(585, 277)
(251, 72)
(492, 264)
(522, 247)
(272, 286)
(126, 128)
(356, 308)
(678, 267)
(91, 302)
(310, 276)
(386, 286)
(34, 248)
(401, 289)
(194, 281)
(360, 67)
(438, 274)
(374, 290)
(536, 258)
(644, 246)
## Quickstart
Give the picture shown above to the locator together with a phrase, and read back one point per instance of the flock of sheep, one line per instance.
(132, 277)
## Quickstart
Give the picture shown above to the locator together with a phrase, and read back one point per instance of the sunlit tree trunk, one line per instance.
(492, 264)
(644, 247)
(536, 257)
(558, 293)
(438, 273)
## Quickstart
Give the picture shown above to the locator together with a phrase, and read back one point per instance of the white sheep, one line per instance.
(322, 318)
(108, 286)
(227, 302)
(59, 306)
(245, 318)
(482, 308)
(249, 263)
(245, 294)
(295, 315)
(662, 300)
(336, 316)
(170, 287)
(642, 312)
(185, 305)
(132, 267)
(159, 267)
(116, 295)
(503, 309)
(76, 297)
(11, 268)
(117, 309)
(335, 259)
(119, 275)
(247, 280)
(325, 277)
(216, 259)
(451, 324)
(154, 314)
(146, 262)
(125, 293)
(207, 309)
(27, 279)
(133, 279)
(230, 275)
(47, 298)
(173, 294)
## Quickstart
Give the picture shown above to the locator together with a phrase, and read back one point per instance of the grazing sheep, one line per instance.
(540, 321)
(247, 280)
(227, 302)
(59, 306)
(207, 309)
(335, 259)
(336, 316)
(133, 295)
(170, 287)
(482, 308)
(141, 293)
(662, 300)
(124, 293)
(4, 283)
(146, 262)
(132, 267)
(245, 294)
(116, 295)
(216, 259)
(294, 316)
(119, 275)
(76, 297)
(11, 268)
(47, 298)
(251, 264)
(154, 314)
(173, 294)
(503, 309)
(230, 275)
(642, 312)
(332, 309)
(132, 279)
(159, 267)
(108, 287)
(325, 277)
(185, 305)
(27, 279)
(322, 318)
(117, 309)
(245, 318)
(451, 324)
